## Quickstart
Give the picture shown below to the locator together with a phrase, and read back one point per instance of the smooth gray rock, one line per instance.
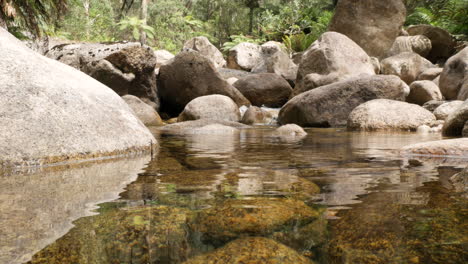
(143, 111)
(204, 46)
(50, 112)
(432, 105)
(244, 56)
(188, 76)
(332, 58)
(275, 59)
(422, 92)
(383, 114)
(372, 24)
(188, 127)
(430, 74)
(215, 107)
(330, 105)
(444, 110)
(256, 115)
(455, 122)
(407, 65)
(162, 57)
(454, 76)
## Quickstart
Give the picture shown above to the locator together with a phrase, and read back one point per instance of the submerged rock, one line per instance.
(332, 58)
(188, 76)
(265, 89)
(204, 46)
(291, 130)
(50, 112)
(215, 107)
(383, 114)
(330, 105)
(143, 111)
(372, 24)
(252, 250)
(442, 148)
(190, 126)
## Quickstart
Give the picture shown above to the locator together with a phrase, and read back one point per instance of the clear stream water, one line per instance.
(333, 197)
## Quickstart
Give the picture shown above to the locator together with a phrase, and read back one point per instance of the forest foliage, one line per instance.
(169, 23)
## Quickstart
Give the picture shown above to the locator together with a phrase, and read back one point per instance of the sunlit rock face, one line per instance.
(37, 208)
(50, 112)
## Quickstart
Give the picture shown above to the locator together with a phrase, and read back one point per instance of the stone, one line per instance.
(251, 250)
(204, 46)
(460, 181)
(455, 122)
(330, 105)
(275, 59)
(443, 44)
(244, 56)
(454, 76)
(419, 44)
(162, 57)
(432, 105)
(332, 58)
(127, 68)
(143, 111)
(463, 95)
(188, 76)
(291, 130)
(266, 89)
(376, 63)
(383, 114)
(188, 127)
(422, 92)
(430, 74)
(232, 73)
(215, 107)
(232, 80)
(465, 130)
(233, 218)
(256, 115)
(444, 110)
(372, 24)
(441, 148)
(53, 113)
(407, 65)
(424, 129)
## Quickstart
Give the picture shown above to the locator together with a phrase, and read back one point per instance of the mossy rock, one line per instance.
(252, 250)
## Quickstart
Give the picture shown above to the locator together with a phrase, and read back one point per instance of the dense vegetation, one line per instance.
(171, 22)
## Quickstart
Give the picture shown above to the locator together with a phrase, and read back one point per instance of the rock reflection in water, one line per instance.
(39, 207)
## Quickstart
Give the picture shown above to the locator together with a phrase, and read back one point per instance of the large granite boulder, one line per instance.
(244, 56)
(332, 58)
(330, 105)
(407, 65)
(383, 114)
(275, 59)
(204, 46)
(422, 92)
(419, 44)
(188, 76)
(372, 24)
(143, 111)
(215, 106)
(50, 112)
(443, 44)
(456, 121)
(266, 89)
(127, 68)
(455, 76)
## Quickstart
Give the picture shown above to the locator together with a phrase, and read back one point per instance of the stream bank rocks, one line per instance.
(47, 118)
(330, 105)
(188, 76)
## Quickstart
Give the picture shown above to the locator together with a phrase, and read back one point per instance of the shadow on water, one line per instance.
(334, 197)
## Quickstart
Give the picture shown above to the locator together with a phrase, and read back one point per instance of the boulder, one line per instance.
(232, 73)
(204, 46)
(256, 115)
(232, 80)
(419, 44)
(332, 58)
(330, 105)
(162, 57)
(463, 95)
(443, 44)
(383, 114)
(143, 111)
(376, 63)
(188, 76)
(267, 89)
(215, 107)
(455, 122)
(465, 130)
(430, 74)
(422, 92)
(372, 24)
(127, 68)
(460, 181)
(244, 56)
(291, 131)
(432, 105)
(455, 75)
(188, 127)
(407, 65)
(444, 110)
(276, 60)
(251, 250)
(52, 113)
(441, 148)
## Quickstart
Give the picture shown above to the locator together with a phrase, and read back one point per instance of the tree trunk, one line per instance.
(251, 18)
(86, 7)
(144, 15)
